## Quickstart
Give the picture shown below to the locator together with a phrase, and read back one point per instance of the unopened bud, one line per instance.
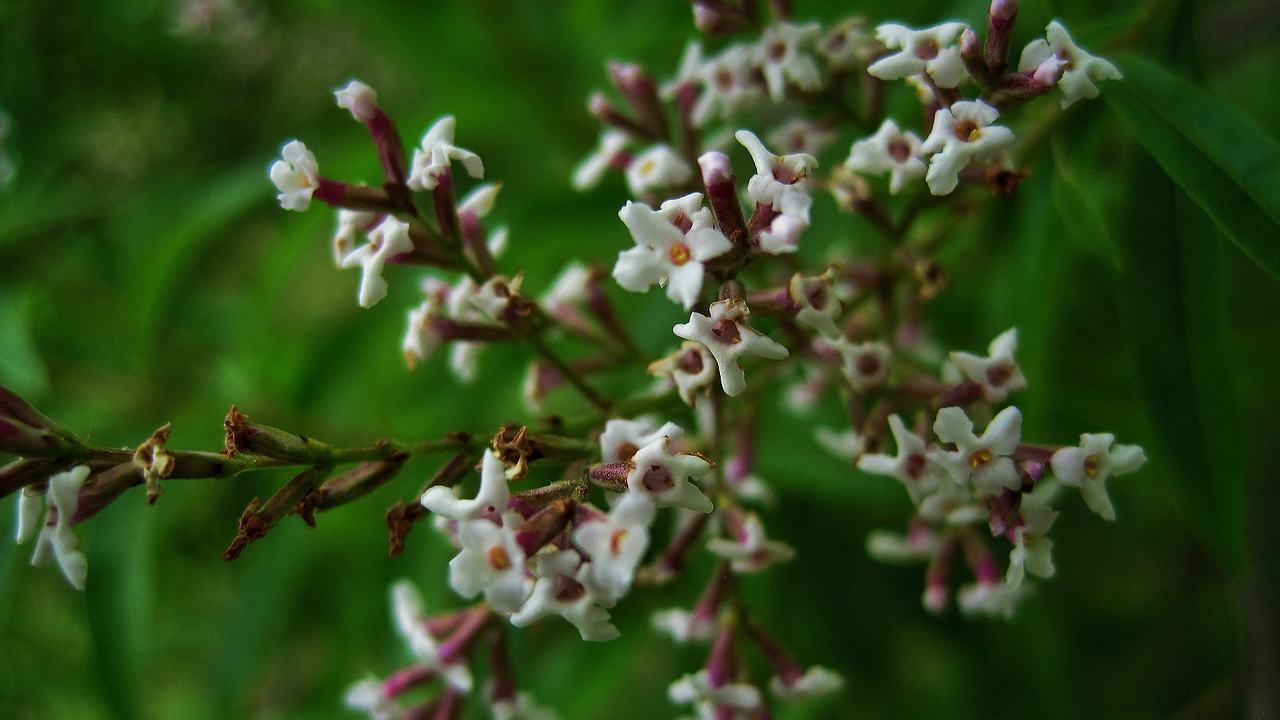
(641, 92)
(259, 517)
(1000, 22)
(971, 53)
(244, 436)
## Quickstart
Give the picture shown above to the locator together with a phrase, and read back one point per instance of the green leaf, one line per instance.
(1219, 157)
(1081, 209)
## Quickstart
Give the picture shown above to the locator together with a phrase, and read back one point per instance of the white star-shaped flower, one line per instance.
(615, 545)
(56, 540)
(696, 689)
(979, 462)
(911, 466)
(819, 306)
(802, 136)
(890, 547)
(422, 338)
(1090, 465)
(1081, 71)
(730, 85)
(929, 50)
(865, 365)
(494, 296)
(389, 239)
(845, 444)
(815, 682)
(726, 334)
(1032, 550)
(411, 623)
(848, 45)
(491, 561)
(521, 706)
(692, 368)
(667, 477)
(889, 150)
(492, 497)
(777, 176)
(296, 176)
(368, 696)
(433, 158)
(988, 598)
(998, 373)
(783, 56)
(962, 133)
(750, 550)
(608, 154)
(622, 438)
(350, 224)
(657, 169)
(560, 590)
(359, 99)
(684, 626)
(568, 291)
(672, 243)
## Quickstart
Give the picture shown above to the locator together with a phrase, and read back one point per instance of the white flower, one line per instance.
(726, 334)
(672, 243)
(560, 590)
(492, 497)
(980, 462)
(697, 689)
(889, 150)
(411, 623)
(802, 136)
(777, 176)
(815, 682)
(890, 547)
(435, 155)
(480, 201)
(952, 504)
(494, 296)
(865, 365)
(490, 561)
(783, 57)
(1087, 467)
(1032, 550)
(389, 239)
(684, 626)
(358, 98)
(569, 289)
(751, 550)
(368, 696)
(350, 224)
(421, 338)
(998, 373)
(665, 476)
(815, 296)
(656, 169)
(622, 438)
(960, 134)
(848, 45)
(56, 539)
(592, 169)
(911, 466)
(929, 50)
(729, 85)
(846, 445)
(520, 707)
(615, 544)
(691, 368)
(295, 176)
(992, 599)
(1080, 69)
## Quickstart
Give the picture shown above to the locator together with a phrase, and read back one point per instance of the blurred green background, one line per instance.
(146, 276)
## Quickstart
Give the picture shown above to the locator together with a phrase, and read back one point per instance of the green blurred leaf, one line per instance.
(1080, 208)
(1220, 158)
(20, 365)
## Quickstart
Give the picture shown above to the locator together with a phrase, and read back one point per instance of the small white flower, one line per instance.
(697, 689)
(622, 438)
(998, 373)
(777, 176)
(296, 176)
(609, 153)
(962, 133)
(726, 334)
(980, 462)
(816, 682)
(692, 368)
(672, 243)
(520, 707)
(615, 545)
(889, 150)
(929, 50)
(656, 169)
(1090, 465)
(480, 201)
(350, 224)
(421, 338)
(951, 504)
(56, 540)
(411, 623)
(890, 547)
(666, 477)
(359, 99)
(846, 445)
(802, 136)
(751, 550)
(492, 497)
(865, 365)
(560, 590)
(848, 45)
(568, 291)
(783, 56)
(492, 562)
(389, 239)
(1081, 71)
(1032, 550)
(494, 296)
(367, 696)
(911, 466)
(991, 599)
(729, 85)
(437, 152)
(684, 626)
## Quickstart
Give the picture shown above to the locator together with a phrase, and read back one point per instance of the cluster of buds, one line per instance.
(851, 329)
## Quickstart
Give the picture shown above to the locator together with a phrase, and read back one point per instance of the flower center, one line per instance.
(498, 558)
(626, 451)
(967, 131)
(657, 479)
(726, 331)
(785, 174)
(868, 364)
(998, 375)
(1092, 464)
(927, 50)
(816, 294)
(777, 51)
(678, 253)
(683, 222)
(615, 541)
(647, 167)
(568, 589)
(724, 78)
(979, 457)
(690, 362)
(899, 151)
(915, 466)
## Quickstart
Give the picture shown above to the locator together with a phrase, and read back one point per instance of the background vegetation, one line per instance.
(147, 276)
